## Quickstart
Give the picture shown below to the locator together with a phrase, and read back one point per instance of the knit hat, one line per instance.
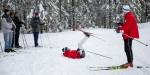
(36, 13)
(65, 49)
(126, 8)
(6, 10)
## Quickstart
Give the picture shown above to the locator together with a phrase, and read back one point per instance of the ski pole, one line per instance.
(25, 40)
(40, 38)
(1, 46)
(80, 44)
(99, 54)
(135, 39)
(98, 38)
(23, 31)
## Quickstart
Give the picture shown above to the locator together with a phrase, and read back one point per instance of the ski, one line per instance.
(114, 68)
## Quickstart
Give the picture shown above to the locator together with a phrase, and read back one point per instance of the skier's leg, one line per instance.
(80, 44)
(127, 49)
(36, 35)
(6, 39)
(130, 51)
(17, 31)
(13, 41)
(80, 47)
(10, 39)
(37, 38)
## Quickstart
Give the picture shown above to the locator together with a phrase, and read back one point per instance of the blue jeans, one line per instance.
(8, 40)
(36, 36)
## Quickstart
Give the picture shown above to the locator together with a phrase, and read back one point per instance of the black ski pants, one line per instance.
(128, 49)
(15, 41)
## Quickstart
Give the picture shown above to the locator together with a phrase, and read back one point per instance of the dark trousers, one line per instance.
(36, 36)
(128, 49)
(15, 41)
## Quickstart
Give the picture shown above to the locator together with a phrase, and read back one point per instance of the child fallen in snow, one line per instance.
(79, 53)
(73, 53)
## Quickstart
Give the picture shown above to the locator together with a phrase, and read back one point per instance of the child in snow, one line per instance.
(79, 53)
(73, 53)
(130, 31)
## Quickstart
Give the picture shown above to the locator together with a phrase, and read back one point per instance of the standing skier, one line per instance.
(35, 24)
(7, 27)
(18, 24)
(130, 31)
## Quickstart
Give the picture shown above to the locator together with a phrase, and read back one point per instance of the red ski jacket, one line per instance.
(72, 54)
(129, 26)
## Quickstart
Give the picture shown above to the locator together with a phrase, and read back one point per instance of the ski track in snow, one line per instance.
(48, 59)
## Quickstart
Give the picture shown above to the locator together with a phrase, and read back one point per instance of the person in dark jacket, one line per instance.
(18, 24)
(35, 24)
(130, 31)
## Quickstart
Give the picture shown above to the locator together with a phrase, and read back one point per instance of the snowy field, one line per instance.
(48, 59)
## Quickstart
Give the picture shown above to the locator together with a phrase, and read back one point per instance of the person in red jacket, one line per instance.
(79, 53)
(75, 54)
(130, 31)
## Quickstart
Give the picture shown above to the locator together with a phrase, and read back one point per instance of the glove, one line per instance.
(117, 30)
(86, 34)
(119, 24)
(13, 28)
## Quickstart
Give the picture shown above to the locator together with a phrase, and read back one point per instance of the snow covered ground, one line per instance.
(48, 60)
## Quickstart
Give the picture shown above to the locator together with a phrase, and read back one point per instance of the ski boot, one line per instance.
(82, 54)
(126, 65)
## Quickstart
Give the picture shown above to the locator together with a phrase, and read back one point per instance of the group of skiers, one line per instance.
(8, 28)
(128, 28)
(11, 29)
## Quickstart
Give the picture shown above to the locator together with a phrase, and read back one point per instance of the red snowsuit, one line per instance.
(129, 26)
(72, 54)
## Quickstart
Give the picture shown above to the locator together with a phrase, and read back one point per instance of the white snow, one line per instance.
(48, 60)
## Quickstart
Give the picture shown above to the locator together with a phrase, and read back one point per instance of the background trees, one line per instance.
(59, 15)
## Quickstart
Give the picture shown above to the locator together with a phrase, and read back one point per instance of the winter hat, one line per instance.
(126, 8)
(6, 10)
(65, 49)
(36, 13)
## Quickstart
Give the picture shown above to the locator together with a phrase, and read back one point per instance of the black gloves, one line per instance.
(118, 27)
(117, 30)
(86, 34)
(13, 28)
(119, 24)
